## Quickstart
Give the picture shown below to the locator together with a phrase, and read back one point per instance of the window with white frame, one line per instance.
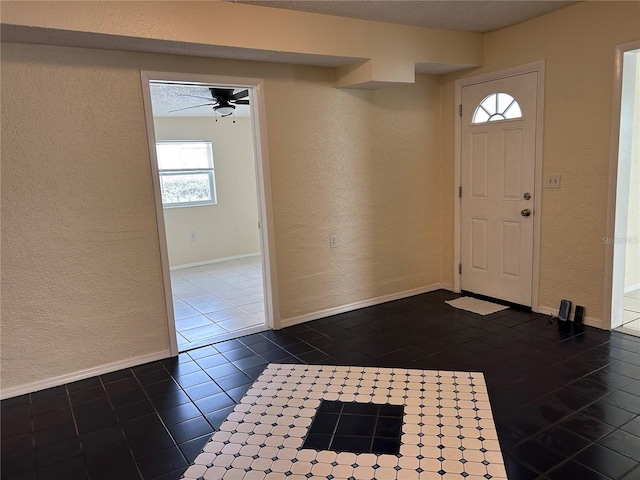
(186, 173)
(497, 106)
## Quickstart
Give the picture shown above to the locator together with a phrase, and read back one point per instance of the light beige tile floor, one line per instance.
(218, 301)
(631, 313)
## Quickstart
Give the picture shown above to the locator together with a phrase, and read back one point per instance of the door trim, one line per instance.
(263, 181)
(609, 299)
(539, 68)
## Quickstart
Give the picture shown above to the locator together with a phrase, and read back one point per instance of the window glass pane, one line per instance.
(184, 155)
(497, 106)
(480, 116)
(504, 100)
(185, 188)
(489, 104)
(513, 111)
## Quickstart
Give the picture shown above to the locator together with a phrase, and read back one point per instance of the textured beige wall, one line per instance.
(81, 282)
(578, 45)
(81, 279)
(230, 227)
(190, 28)
(363, 165)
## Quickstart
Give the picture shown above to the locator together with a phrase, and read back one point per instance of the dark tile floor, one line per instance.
(566, 401)
(356, 427)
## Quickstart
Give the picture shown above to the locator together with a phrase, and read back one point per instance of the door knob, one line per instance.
(526, 212)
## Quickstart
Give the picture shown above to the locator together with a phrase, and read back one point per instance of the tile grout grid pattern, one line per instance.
(217, 301)
(566, 403)
(447, 431)
(356, 427)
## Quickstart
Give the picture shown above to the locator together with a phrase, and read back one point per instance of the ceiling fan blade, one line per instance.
(195, 96)
(239, 95)
(194, 106)
(241, 102)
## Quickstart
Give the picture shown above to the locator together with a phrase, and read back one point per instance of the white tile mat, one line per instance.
(448, 430)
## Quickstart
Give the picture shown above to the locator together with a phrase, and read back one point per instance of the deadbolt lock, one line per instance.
(527, 196)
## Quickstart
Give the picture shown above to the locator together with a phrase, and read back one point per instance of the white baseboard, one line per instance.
(590, 321)
(82, 374)
(307, 317)
(632, 288)
(216, 260)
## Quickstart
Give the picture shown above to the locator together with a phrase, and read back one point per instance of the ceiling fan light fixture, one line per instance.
(224, 110)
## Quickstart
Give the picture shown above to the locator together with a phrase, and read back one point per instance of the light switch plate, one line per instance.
(553, 181)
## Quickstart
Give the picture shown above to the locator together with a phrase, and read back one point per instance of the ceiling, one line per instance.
(168, 97)
(468, 15)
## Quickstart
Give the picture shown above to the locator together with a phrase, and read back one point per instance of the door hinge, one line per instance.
(460, 110)
(460, 268)
(460, 191)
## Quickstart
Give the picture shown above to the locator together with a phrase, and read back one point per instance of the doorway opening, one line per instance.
(623, 229)
(209, 185)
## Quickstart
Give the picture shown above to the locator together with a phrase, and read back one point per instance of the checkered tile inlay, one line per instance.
(447, 432)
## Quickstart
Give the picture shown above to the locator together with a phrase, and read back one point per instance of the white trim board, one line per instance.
(82, 374)
(628, 331)
(307, 317)
(226, 336)
(632, 288)
(216, 260)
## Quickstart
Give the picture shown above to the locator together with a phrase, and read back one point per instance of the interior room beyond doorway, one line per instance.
(207, 173)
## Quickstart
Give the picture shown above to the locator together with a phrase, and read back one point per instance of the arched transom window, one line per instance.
(497, 106)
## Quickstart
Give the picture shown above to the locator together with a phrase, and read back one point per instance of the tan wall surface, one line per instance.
(365, 166)
(185, 27)
(81, 280)
(230, 227)
(578, 45)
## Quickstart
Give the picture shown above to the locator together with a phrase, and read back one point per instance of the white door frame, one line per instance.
(538, 67)
(613, 299)
(263, 181)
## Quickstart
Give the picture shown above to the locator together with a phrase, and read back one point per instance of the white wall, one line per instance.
(632, 257)
(230, 227)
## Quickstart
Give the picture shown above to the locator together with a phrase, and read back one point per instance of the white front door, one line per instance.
(498, 138)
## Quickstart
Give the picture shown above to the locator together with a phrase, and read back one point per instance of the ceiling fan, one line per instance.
(223, 100)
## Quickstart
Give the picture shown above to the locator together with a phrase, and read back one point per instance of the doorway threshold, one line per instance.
(628, 331)
(515, 306)
(223, 337)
